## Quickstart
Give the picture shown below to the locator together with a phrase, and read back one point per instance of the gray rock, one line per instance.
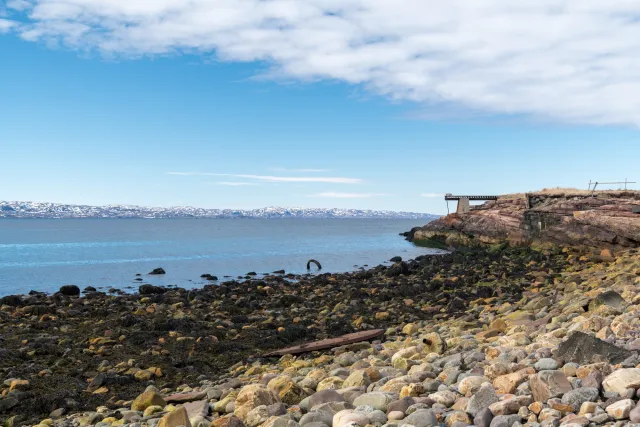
(483, 418)
(584, 349)
(482, 399)
(324, 396)
(317, 424)
(333, 408)
(376, 399)
(546, 364)
(316, 417)
(634, 415)
(422, 418)
(401, 405)
(504, 420)
(610, 298)
(377, 417)
(431, 385)
(593, 380)
(578, 396)
(7, 403)
(416, 407)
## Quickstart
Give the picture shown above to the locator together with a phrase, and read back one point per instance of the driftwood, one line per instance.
(329, 343)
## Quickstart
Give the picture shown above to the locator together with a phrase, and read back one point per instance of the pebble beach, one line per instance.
(489, 337)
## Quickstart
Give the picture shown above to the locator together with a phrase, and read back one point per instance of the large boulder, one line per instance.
(252, 396)
(584, 348)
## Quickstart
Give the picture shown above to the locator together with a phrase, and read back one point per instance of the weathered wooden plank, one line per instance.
(329, 343)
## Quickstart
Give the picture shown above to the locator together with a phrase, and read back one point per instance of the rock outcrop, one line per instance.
(601, 219)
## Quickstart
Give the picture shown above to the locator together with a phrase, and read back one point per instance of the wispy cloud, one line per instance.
(300, 170)
(572, 61)
(334, 195)
(269, 178)
(6, 25)
(235, 183)
(432, 195)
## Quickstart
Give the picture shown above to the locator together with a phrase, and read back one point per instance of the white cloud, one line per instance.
(269, 178)
(571, 61)
(300, 170)
(6, 25)
(432, 195)
(235, 183)
(18, 4)
(333, 195)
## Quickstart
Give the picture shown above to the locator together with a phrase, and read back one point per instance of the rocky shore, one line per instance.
(491, 337)
(557, 217)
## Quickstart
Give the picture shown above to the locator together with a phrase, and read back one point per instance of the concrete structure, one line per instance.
(463, 201)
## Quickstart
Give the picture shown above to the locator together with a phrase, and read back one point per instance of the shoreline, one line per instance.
(175, 336)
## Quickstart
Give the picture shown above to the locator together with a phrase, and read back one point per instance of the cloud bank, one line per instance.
(564, 61)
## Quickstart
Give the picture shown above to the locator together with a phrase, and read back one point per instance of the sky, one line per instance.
(368, 104)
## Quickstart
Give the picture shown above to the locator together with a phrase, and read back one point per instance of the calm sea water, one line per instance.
(43, 254)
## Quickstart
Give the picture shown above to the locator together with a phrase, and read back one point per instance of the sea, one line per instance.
(43, 254)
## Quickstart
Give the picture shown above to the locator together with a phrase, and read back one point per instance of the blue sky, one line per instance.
(97, 108)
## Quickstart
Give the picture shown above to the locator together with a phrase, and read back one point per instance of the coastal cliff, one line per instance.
(601, 219)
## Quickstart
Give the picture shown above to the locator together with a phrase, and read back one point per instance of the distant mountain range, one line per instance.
(57, 210)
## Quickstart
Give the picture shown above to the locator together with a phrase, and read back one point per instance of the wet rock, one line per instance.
(70, 290)
(151, 290)
(158, 270)
(584, 348)
(7, 403)
(11, 300)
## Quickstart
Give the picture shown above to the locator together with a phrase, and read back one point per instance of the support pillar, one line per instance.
(463, 206)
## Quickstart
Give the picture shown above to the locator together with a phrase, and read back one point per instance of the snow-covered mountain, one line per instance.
(55, 210)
